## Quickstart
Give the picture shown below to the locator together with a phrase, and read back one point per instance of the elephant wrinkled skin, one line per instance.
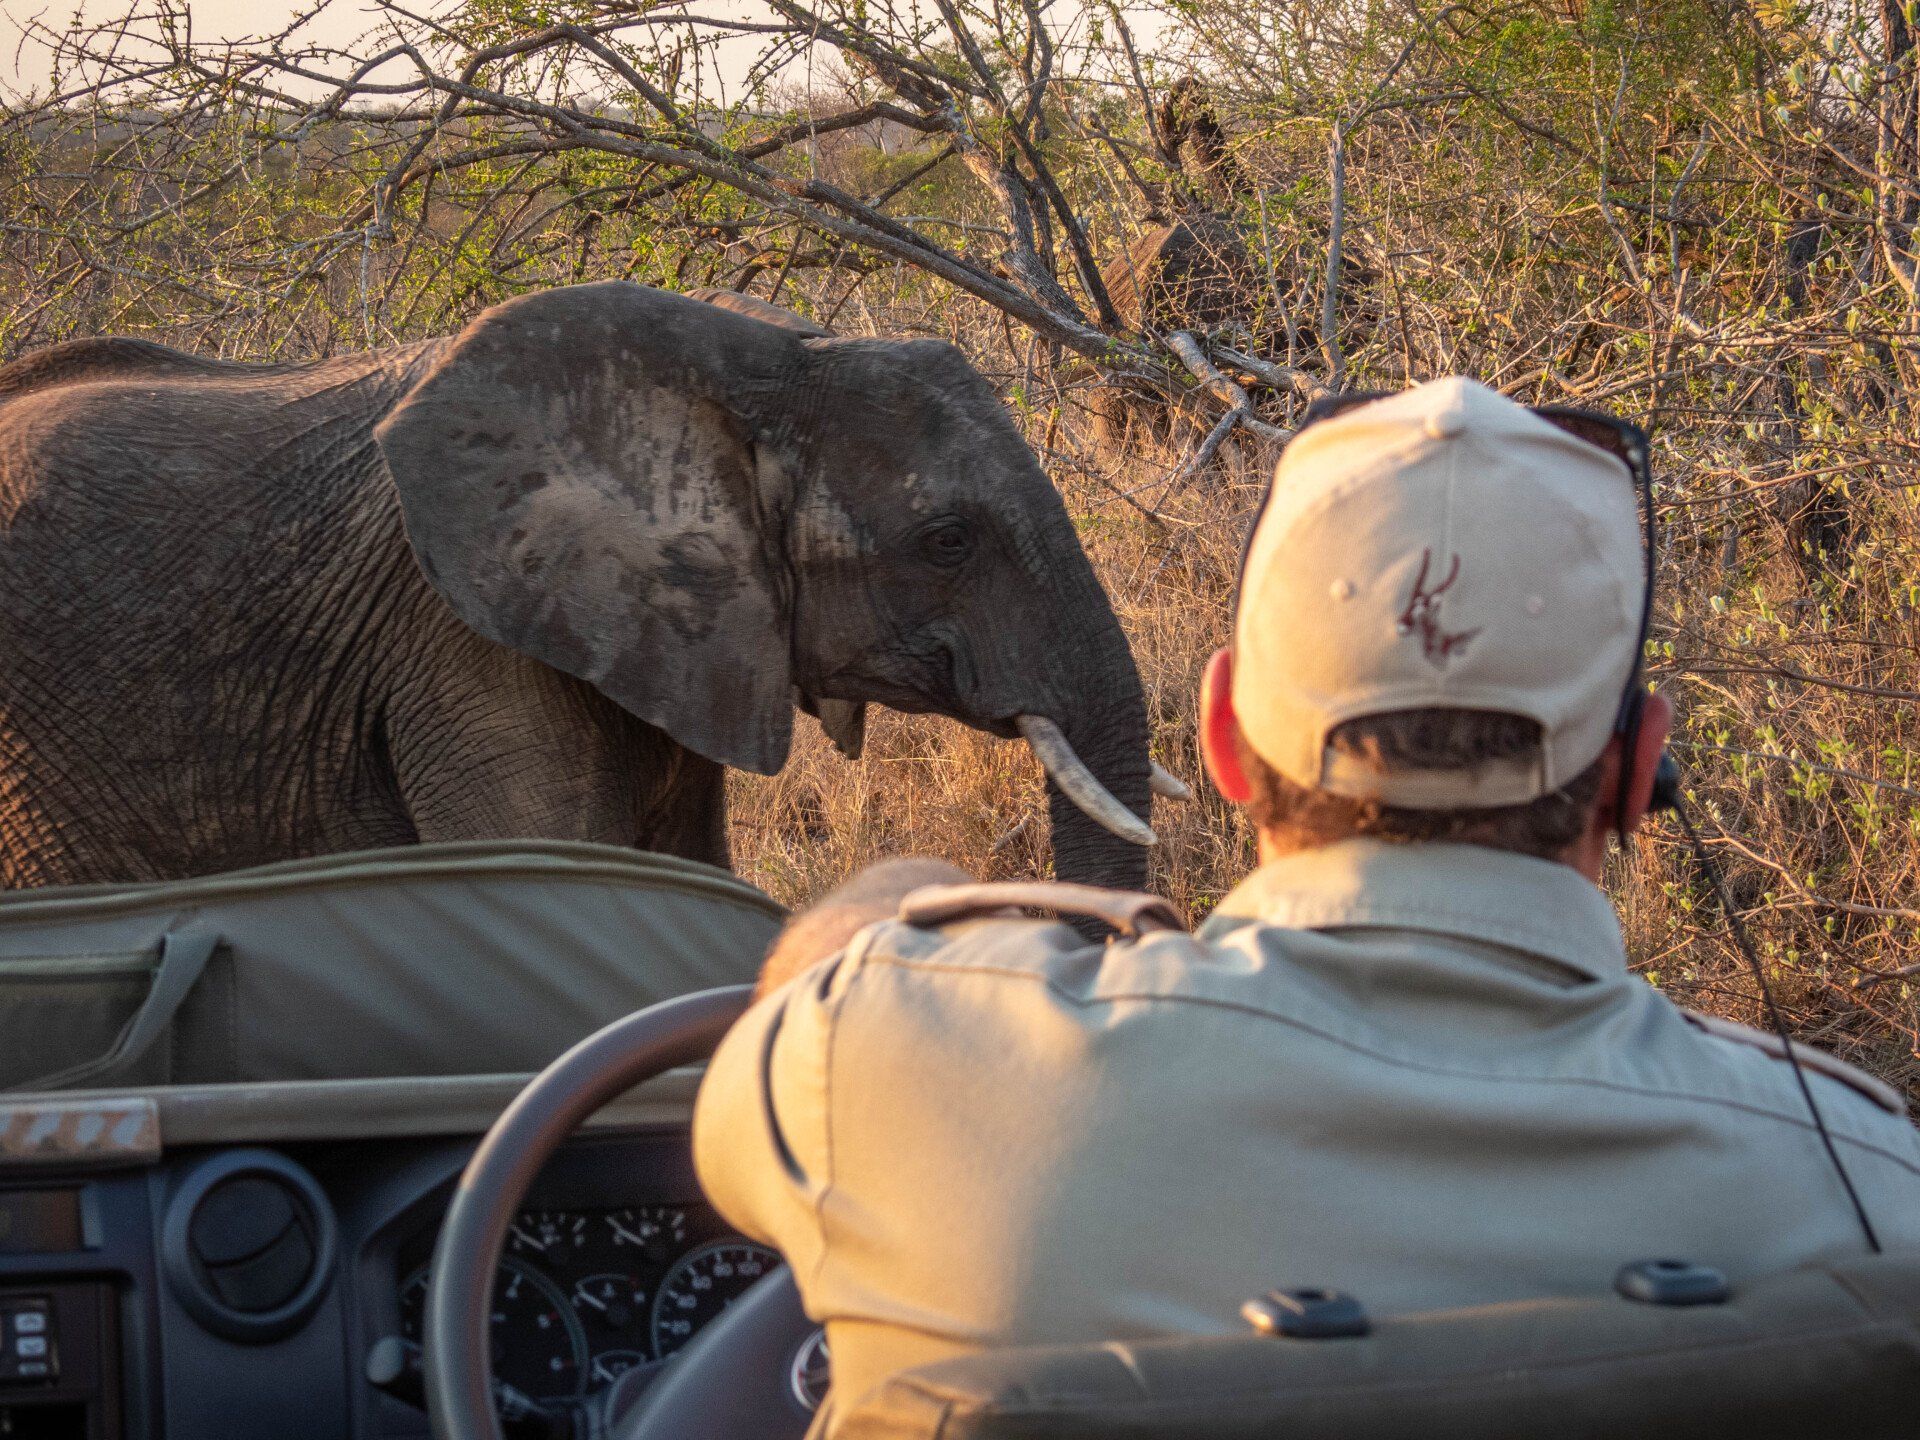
(546, 577)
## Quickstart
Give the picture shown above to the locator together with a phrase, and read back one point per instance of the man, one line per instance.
(1405, 1059)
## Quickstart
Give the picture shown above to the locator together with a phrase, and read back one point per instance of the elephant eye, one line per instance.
(946, 542)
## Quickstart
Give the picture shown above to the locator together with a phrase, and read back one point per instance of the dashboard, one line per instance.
(584, 1296)
(615, 1264)
(226, 1273)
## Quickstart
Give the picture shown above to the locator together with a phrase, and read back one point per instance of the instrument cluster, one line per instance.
(582, 1296)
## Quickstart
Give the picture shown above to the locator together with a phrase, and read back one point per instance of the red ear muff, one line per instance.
(1666, 774)
(1632, 712)
(1219, 730)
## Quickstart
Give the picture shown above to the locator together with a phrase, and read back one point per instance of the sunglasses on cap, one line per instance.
(1622, 439)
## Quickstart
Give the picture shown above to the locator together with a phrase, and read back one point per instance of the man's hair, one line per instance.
(1297, 818)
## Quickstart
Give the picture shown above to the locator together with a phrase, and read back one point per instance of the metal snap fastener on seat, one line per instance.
(1672, 1282)
(1307, 1314)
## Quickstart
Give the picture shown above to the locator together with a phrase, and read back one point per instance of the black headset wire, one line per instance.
(1666, 796)
(1736, 927)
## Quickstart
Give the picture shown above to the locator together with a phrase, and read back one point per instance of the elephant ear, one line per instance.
(579, 484)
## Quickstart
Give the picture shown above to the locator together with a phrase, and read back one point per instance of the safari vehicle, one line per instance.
(232, 1113)
(273, 1163)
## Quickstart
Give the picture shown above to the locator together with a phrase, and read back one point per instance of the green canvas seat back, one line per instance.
(427, 960)
(1828, 1350)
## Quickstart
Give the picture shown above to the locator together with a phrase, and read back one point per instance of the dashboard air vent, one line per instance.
(248, 1245)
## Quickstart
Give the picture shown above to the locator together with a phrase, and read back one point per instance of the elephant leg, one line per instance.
(507, 747)
(687, 815)
(509, 792)
(497, 746)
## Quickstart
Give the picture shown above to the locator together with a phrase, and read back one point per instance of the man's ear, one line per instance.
(1220, 730)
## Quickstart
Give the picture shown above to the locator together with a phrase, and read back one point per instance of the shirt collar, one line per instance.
(1540, 907)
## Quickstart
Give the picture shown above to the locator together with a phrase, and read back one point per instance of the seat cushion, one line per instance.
(1829, 1349)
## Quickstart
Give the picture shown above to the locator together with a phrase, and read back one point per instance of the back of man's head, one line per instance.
(1438, 616)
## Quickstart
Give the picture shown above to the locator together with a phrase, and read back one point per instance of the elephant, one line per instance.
(1190, 271)
(545, 577)
(1192, 274)
(1193, 270)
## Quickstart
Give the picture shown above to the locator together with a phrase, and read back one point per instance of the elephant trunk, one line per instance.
(1099, 777)
(1069, 774)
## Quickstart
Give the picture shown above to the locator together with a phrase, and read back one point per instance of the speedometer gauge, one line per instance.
(701, 1285)
(538, 1345)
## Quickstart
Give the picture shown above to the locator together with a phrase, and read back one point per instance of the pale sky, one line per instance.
(25, 67)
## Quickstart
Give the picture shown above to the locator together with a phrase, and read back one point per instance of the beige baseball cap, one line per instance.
(1448, 548)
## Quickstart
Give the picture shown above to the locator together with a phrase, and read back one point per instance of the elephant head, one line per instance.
(704, 516)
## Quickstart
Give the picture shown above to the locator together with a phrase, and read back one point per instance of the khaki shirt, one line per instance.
(1420, 1074)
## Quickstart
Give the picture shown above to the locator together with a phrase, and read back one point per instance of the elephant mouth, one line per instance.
(929, 678)
(845, 721)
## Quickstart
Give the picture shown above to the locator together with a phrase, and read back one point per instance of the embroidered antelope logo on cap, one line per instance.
(1422, 615)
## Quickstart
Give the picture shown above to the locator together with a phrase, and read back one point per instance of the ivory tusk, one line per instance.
(1077, 782)
(1170, 787)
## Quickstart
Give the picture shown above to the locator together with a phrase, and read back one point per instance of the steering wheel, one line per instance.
(740, 1376)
